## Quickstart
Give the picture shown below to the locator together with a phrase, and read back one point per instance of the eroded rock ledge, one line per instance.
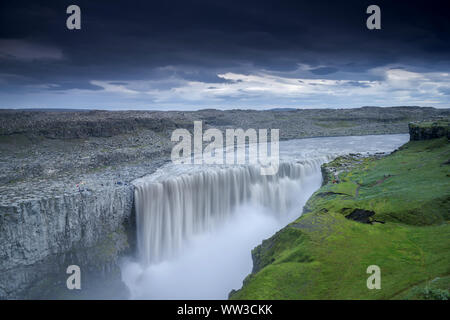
(429, 130)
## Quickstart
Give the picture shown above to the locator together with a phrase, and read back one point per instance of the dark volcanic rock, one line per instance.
(76, 125)
(295, 123)
(429, 130)
(361, 215)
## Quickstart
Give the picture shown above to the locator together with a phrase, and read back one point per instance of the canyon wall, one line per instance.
(39, 238)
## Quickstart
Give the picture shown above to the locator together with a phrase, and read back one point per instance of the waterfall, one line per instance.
(171, 210)
(196, 225)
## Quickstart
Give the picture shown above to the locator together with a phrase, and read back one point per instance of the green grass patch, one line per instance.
(436, 289)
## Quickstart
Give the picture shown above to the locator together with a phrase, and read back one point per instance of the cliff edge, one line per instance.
(427, 130)
(391, 211)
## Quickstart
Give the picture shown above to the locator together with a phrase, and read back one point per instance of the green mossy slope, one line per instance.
(324, 255)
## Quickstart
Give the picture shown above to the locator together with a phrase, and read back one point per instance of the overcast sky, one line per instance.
(184, 55)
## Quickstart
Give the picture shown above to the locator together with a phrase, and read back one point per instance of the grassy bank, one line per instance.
(392, 212)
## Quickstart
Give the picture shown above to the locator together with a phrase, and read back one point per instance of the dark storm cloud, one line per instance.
(74, 85)
(323, 70)
(133, 40)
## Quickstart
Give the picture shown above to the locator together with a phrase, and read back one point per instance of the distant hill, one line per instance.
(53, 109)
(282, 109)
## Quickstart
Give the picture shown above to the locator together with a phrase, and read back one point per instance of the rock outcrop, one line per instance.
(429, 130)
(40, 237)
(76, 125)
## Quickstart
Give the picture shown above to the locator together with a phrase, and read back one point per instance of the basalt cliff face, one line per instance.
(66, 195)
(70, 202)
(429, 130)
(39, 238)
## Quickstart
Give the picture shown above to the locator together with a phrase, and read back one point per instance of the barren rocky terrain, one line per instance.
(51, 144)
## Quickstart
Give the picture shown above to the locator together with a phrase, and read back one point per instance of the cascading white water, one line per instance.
(170, 212)
(197, 225)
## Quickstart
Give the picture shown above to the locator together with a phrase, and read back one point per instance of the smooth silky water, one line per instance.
(197, 225)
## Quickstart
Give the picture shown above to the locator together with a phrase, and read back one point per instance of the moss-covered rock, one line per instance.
(429, 130)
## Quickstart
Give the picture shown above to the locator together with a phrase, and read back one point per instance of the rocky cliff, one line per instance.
(427, 130)
(81, 218)
(41, 237)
